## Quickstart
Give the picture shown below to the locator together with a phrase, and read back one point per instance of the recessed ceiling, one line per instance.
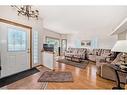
(82, 19)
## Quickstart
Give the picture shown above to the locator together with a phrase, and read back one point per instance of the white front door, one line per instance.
(14, 48)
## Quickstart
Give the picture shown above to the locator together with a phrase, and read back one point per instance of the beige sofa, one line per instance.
(106, 72)
(94, 54)
(76, 53)
(88, 54)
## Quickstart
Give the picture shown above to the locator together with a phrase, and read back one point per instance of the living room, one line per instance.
(63, 47)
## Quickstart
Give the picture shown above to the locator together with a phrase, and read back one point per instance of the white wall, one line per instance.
(107, 42)
(122, 36)
(50, 33)
(103, 40)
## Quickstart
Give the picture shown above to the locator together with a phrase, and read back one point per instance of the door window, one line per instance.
(16, 40)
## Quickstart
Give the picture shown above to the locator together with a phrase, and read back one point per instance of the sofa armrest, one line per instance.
(108, 73)
(106, 70)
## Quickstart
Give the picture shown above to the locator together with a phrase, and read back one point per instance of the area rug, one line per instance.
(56, 76)
(13, 78)
(81, 65)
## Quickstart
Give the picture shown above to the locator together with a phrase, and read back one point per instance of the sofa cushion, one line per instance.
(118, 60)
(99, 52)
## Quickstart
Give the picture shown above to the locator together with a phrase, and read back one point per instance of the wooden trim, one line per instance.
(24, 26)
(38, 65)
(14, 23)
(31, 48)
(126, 86)
(47, 67)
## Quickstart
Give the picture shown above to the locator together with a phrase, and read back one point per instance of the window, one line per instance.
(16, 40)
(54, 42)
(35, 47)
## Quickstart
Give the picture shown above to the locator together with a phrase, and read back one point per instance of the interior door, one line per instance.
(15, 45)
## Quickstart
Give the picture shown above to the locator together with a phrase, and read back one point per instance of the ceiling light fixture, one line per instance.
(26, 10)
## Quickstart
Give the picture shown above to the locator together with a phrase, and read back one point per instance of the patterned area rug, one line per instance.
(52, 76)
(81, 65)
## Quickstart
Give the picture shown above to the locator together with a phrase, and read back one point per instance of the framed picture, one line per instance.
(85, 43)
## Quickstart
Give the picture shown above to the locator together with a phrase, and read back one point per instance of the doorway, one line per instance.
(15, 49)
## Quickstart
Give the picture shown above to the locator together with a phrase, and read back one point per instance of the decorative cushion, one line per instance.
(99, 52)
(117, 59)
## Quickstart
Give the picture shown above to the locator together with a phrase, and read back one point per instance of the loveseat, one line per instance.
(79, 53)
(89, 54)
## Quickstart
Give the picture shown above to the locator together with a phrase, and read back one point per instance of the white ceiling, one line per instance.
(82, 19)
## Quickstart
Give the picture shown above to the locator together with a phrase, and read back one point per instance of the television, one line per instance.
(48, 47)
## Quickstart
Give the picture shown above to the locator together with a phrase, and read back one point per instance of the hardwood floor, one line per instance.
(83, 79)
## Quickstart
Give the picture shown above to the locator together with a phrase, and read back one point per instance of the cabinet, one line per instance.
(48, 59)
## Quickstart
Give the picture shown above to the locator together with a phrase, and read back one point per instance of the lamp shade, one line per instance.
(120, 46)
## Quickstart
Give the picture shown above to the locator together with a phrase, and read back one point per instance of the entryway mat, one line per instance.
(13, 78)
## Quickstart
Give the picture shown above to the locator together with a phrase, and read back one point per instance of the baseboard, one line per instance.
(47, 67)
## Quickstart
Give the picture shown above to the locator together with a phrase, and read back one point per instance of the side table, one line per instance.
(117, 69)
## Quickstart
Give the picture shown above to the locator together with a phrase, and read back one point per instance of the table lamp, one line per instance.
(120, 46)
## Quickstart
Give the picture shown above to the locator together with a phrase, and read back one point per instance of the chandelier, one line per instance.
(26, 10)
